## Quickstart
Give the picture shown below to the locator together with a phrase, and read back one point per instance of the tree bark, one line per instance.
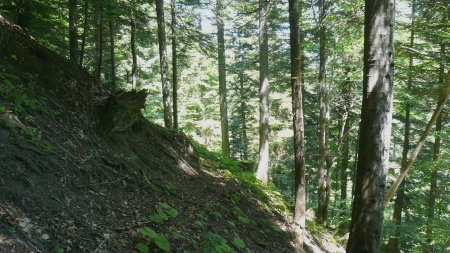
(112, 52)
(322, 210)
(375, 129)
(134, 67)
(174, 64)
(394, 242)
(85, 28)
(243, 117)
(262, 172)
(298, 123)
(73, 33)
(222, 78)
(168, 123)
(344, 164)
(98, 41)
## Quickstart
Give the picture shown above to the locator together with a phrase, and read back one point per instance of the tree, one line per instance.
(174, 64)
(163, 64)
(375, 128)
(393, 244)
(264, 129)
(112, 52)
(222, 78)
(73, 33)
(134, 67)
(98, 40)
(85, 30)
(324, 167)
(298, 123)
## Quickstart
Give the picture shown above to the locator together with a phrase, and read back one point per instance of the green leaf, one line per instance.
(146, 231)
(172, 212)
(165, 205)
(162, 242)
(176, 235)
(142, 247)
(238, 242)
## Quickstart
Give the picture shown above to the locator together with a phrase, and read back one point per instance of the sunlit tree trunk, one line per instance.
(112, 52)
(262, 172)
(298, 123)
(85, 29)
(73, 33)
(174, 64)
(375, 129)
(163, 64)
(222, 78)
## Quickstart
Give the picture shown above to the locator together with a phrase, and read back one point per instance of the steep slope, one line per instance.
(82, 171)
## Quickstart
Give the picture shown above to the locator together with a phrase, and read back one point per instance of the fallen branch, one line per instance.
(440, 105)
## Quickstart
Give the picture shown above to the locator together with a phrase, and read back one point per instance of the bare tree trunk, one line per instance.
(344, 164)
(174, 64)
(85, 28)
(222, 78)
(164, 66)
(98, 42)
(322, 211)
(262, 172)
(134, 67)
(243, 117)
(375, 129)
(112, 52)
(298, 123)
(73, 33)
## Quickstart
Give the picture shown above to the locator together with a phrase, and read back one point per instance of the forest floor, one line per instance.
(81, 170)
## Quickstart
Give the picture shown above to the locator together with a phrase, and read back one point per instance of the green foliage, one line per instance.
(214, 243)
(159, 239)
(164, 212)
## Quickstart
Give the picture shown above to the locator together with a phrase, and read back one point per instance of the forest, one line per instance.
(224, 126)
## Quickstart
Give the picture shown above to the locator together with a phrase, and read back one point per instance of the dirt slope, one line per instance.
(77, 176)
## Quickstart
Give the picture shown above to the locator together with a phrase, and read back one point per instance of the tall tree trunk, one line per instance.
(394, 242)
(85, 28)
(264, 129)
(324, 172)
(436, 157)
(73, 33)
(243, 117)
(344, 164)
(163, 62)
(24, 13)
(375, 130)
(112, 52)
(222, 78)
(134, 67)
(174, 64)
(298, 123)
(98, 42)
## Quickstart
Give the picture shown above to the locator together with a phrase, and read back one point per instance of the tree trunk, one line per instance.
(174, 64)
(262, 172)
(436, 157)
(98, 42)
(73, 33)
(298, 123)
(112, 52)
(243, 117)
(443, 98)
(344, 164)
(322, 211)
(394, 242)
(24, 13)
(85, 28)
(375, 130)
(222, 78)
(134, 68)
(163, 63)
